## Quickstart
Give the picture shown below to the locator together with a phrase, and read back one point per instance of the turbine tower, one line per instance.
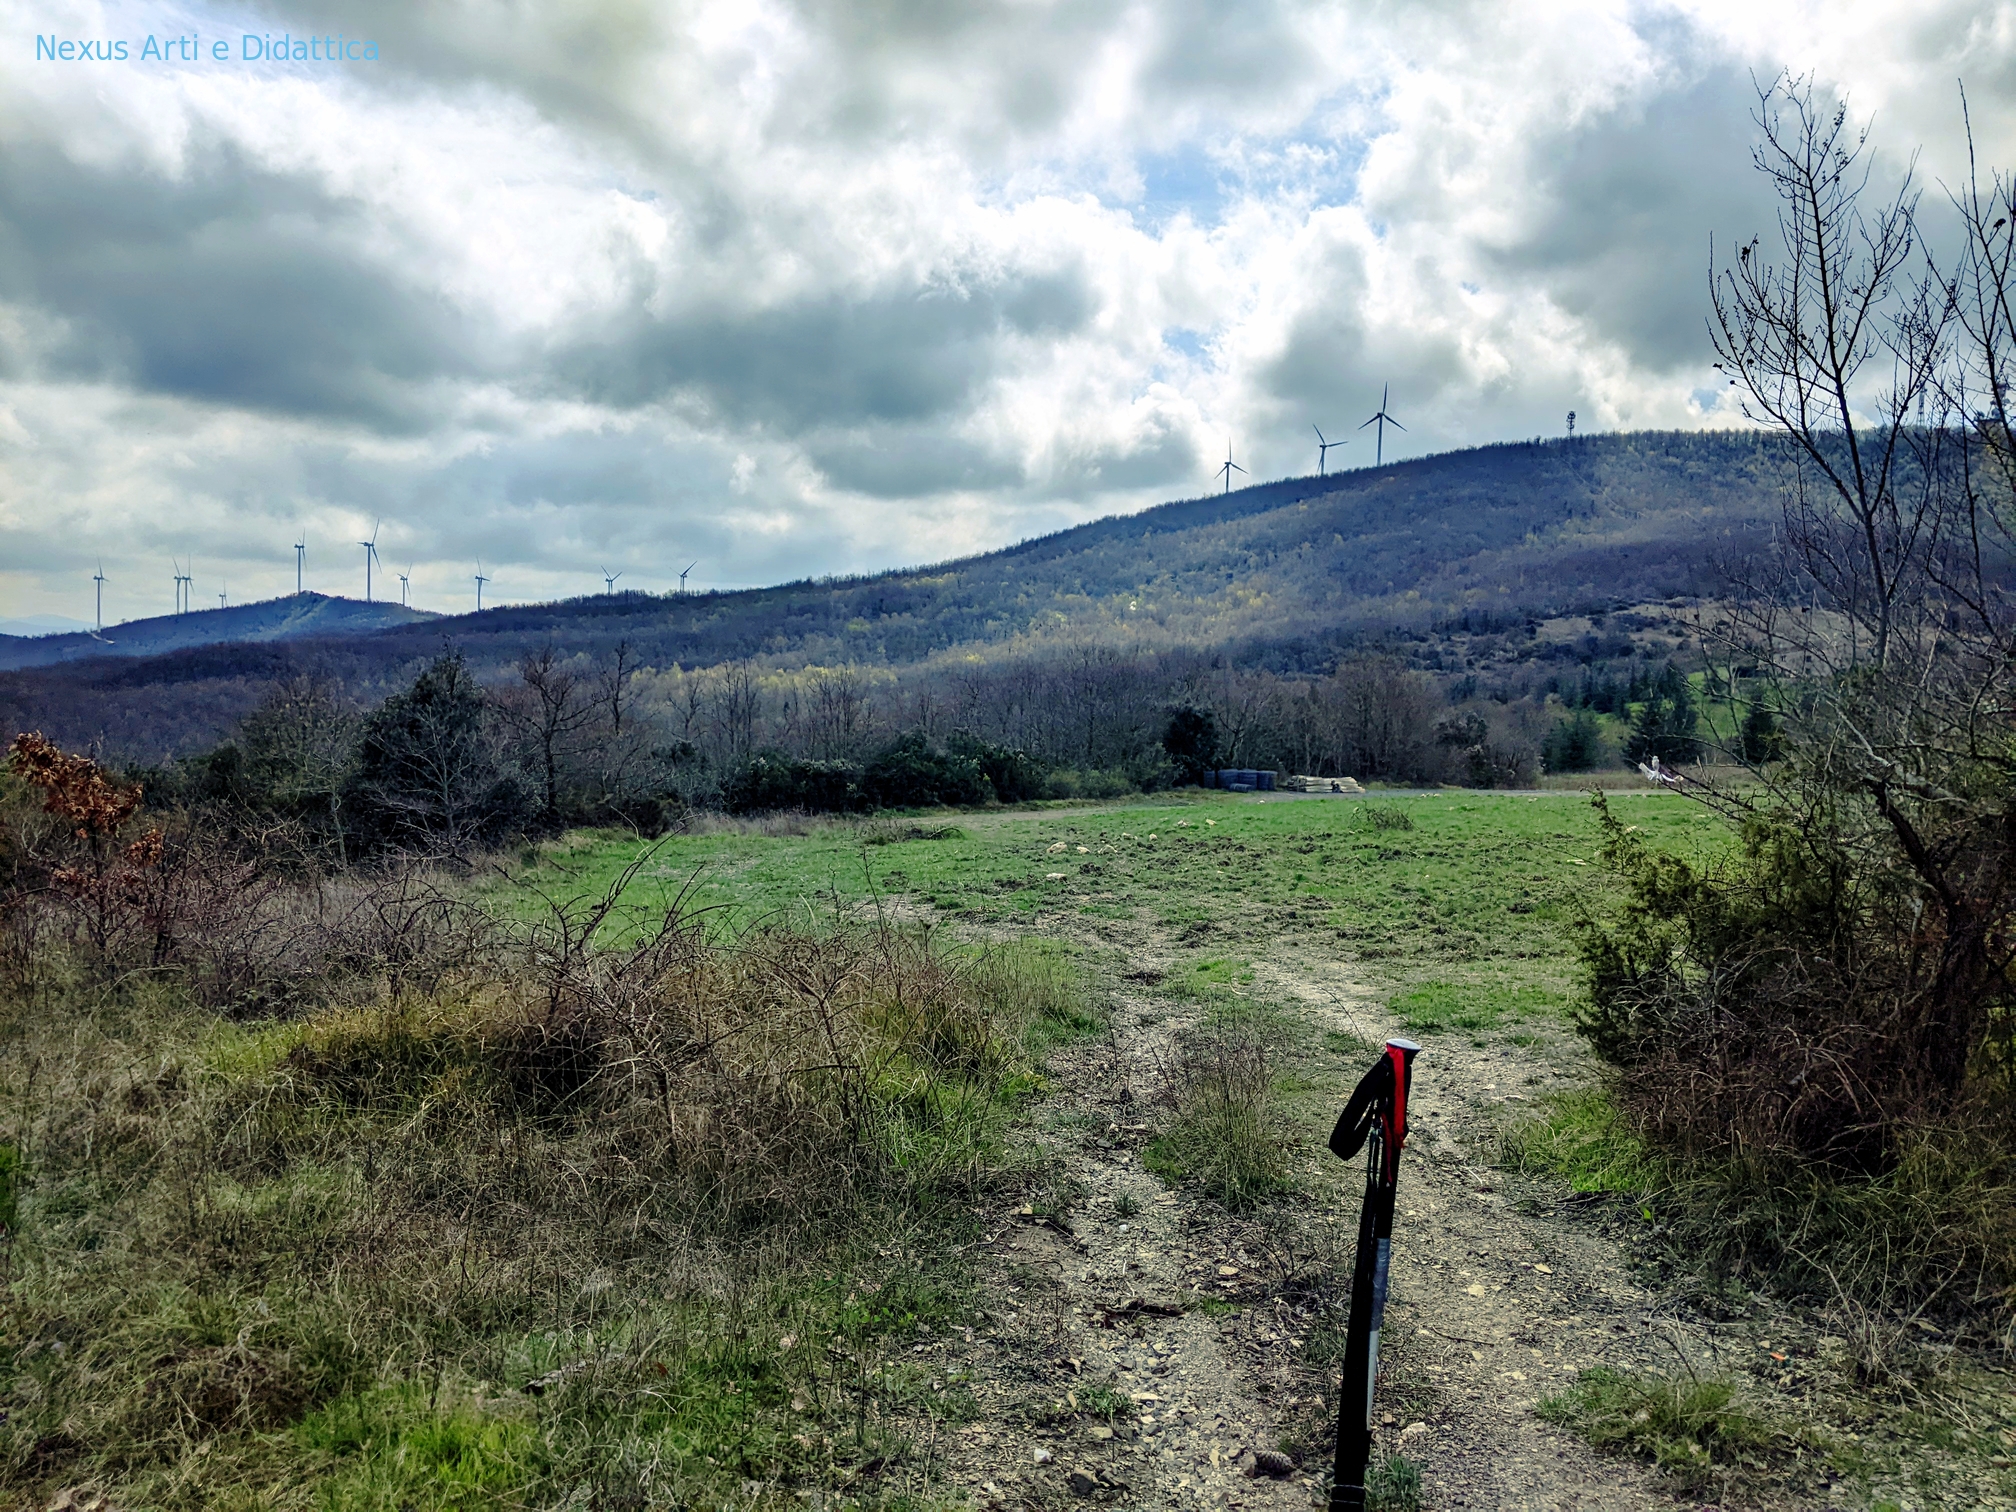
(682, 578)
(98, 577)
(480, 581)
(402, 585)
(1323, 450)
(1382, 420)
(300, 556)
(220, 600)
(609, 580)
(1230, 466)
(370, 553)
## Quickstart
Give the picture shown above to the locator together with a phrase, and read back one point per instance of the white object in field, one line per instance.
(1302, 783)
(1655, 772)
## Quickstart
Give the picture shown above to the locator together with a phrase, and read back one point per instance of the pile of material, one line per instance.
(1300, 784)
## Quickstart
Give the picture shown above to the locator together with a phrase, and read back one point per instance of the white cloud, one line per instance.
(817, 287)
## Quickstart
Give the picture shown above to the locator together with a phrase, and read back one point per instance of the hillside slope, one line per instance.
(294, 617)
(1287, 571)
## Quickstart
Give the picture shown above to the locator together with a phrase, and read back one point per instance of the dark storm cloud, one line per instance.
(904, 463)
(1623, 207)
(837, 358)
(228, 285)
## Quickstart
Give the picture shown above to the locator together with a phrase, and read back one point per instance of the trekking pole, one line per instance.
(1375, 1119)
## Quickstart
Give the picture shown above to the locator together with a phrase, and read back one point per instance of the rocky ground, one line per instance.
(1203, 1320)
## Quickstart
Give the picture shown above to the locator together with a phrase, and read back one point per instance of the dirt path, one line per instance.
(1491, 1307)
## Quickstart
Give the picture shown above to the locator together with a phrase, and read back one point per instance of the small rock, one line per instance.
(1082, 1483)
(1102, 1433)
(1413, 1428)
(1044, 1456)
(1228, 1271)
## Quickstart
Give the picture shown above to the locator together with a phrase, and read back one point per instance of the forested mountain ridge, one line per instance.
(1285, 572)
(294, 617)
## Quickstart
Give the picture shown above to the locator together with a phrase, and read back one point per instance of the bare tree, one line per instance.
(1884, 623)
(301, 742)
(734, 712)
(1800, 337)
(552, 706)
(836, 713)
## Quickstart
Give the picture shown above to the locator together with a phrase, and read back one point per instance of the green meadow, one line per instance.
(1463, 902)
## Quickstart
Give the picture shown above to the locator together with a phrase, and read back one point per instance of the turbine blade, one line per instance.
(1395, 423)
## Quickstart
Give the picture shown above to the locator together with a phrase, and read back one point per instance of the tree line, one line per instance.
(449, 764)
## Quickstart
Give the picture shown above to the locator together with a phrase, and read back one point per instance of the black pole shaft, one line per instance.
(1379, 1108)
(1361, 1347)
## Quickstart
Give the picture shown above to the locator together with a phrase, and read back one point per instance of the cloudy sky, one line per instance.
(795, 287)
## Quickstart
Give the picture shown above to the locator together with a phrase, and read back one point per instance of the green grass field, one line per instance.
(1468, 912)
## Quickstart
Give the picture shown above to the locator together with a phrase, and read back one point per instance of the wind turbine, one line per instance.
(220, 600)
(98, 577)
(480, 581)
(300, 556)
(1230, 466)
(402, 585)
(682, 578)
(609, 580)
(1382, 420)
(1323, 449)
(370, 551)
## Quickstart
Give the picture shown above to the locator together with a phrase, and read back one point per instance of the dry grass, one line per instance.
(1222, 1124)
(556, 1224)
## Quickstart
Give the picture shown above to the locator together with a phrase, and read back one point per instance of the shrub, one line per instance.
(1386, 816)
(428, 778)
(1696, 1429)
(1774, 1001)
(1784, 1031)
(576, 1207)
(912, 772)
(1222, 1127)
(1014, 775)
(1191, 740)
(770, 781)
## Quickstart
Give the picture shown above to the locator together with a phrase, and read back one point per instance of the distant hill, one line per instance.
(1283, 572)
(42, 624)
(294, 617)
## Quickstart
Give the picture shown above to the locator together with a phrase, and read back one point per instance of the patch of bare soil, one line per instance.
(1211, 1326)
